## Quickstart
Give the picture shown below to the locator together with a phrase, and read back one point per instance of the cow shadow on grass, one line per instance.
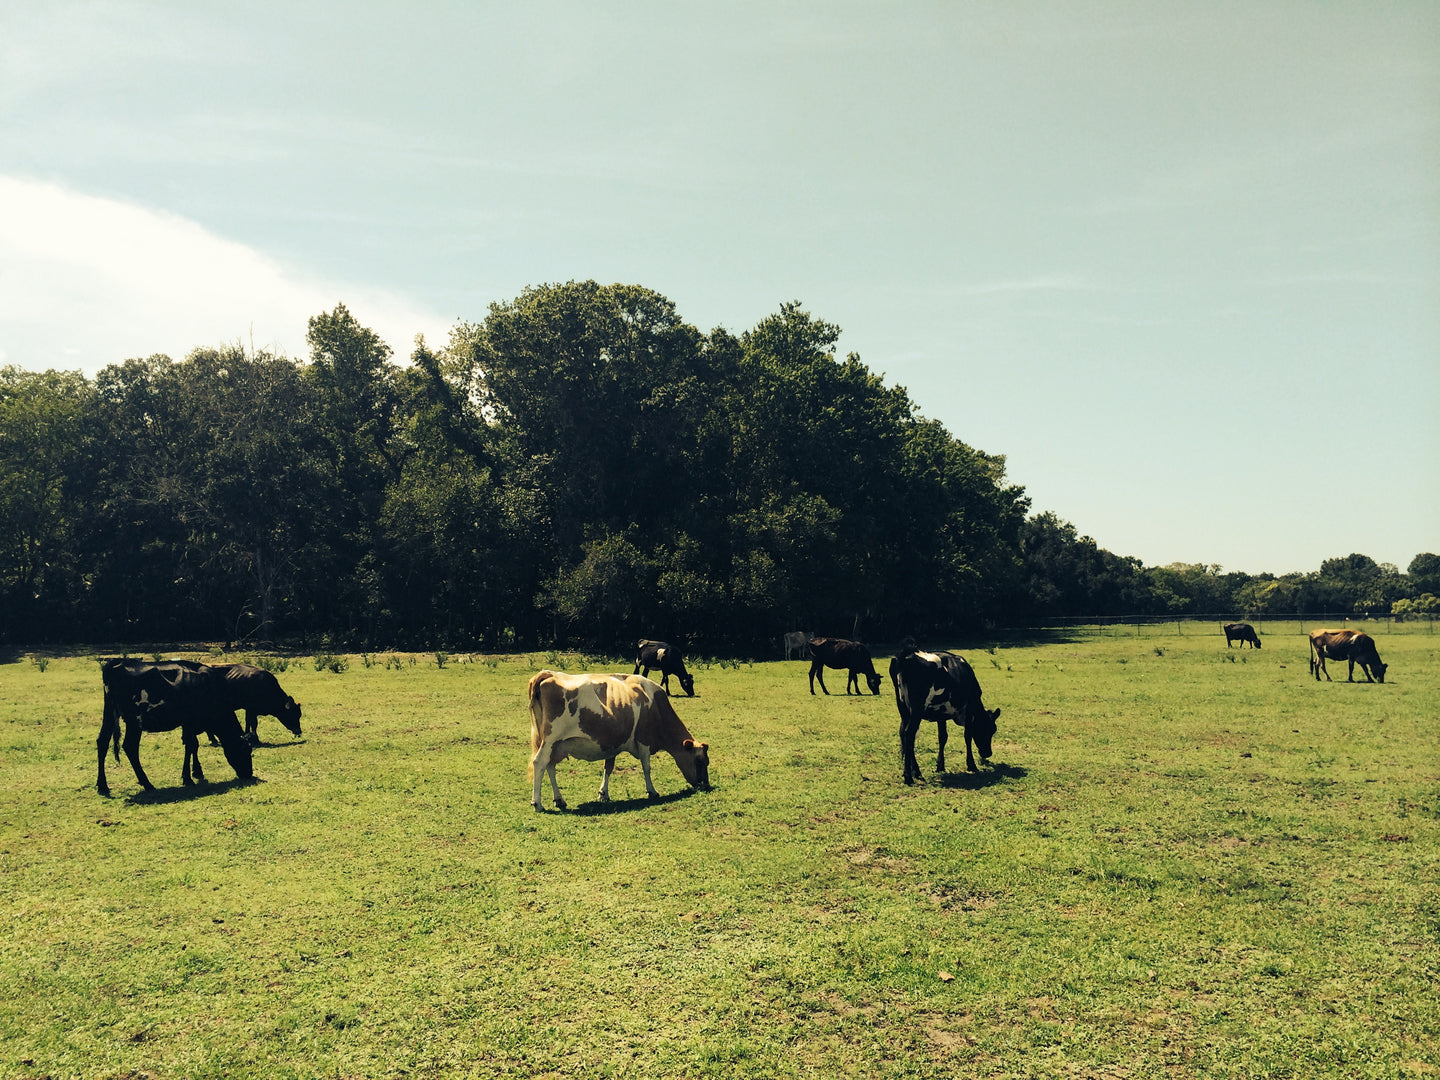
(181, 793)
(596, 808)
(987, 777)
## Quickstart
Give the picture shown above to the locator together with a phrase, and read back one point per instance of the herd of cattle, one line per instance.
(596, 717)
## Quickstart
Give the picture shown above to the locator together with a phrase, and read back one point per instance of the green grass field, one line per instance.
(1186, 861)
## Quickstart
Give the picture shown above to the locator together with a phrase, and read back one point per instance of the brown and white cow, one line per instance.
(595, 717)
(1351, 645)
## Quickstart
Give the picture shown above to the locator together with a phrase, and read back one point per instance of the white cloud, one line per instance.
(88, 281)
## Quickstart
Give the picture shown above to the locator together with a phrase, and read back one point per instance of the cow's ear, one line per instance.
(688, 744)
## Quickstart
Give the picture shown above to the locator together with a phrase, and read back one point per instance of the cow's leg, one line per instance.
(852, 679)
(102, 743)
(817, 671)
(132, 751)
(605, 783)
(909, 726)
(540, 764)
(252, 727)
(969, 754)
(943, 733)
(555, 788)
(644, 756)
(191, 742)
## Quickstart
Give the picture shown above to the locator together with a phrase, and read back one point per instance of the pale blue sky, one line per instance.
(1180, 262)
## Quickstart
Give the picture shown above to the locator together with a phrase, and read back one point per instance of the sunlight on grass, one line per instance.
(1179, 864)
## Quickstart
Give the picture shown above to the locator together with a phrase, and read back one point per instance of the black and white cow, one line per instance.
(939, 687)
(664, 656)
(161, 697)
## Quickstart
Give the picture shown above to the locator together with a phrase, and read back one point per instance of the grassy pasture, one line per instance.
(1186, 861)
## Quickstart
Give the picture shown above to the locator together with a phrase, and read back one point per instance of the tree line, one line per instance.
(581, 468)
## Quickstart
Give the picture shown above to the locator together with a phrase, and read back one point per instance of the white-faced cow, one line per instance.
(667, 658)
(844, 656)
(798, 641)
(1241, 632)
(938, 687)
(596, 717)
(1349, 645)
(161, 697)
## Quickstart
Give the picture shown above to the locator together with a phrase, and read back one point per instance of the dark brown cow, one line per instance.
(594, 717)
(1241, 632)
(1350, 645)
(845, 656)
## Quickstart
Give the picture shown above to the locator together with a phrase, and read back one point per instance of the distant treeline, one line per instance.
(582, 468)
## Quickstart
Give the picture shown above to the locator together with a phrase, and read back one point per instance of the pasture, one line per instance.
(1184, 862)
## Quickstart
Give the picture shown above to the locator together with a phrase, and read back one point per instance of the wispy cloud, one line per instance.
(86, 281)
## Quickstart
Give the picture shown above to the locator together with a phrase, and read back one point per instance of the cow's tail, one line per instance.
(537, 722)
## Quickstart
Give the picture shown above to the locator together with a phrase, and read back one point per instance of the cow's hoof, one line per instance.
(103, 790)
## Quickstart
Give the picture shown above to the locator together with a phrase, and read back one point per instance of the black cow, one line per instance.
(258, 692)
(1353, 645)
(939, 687)
(843, 655)
(161, 697)
(1241, 632)
(659, 654)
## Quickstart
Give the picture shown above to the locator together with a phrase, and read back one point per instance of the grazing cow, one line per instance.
(258, 692)
(594, 717)
(1241, 632)
(797, 641)
(161, 697)
(659, 654)
(939, 687)
(1351, 645)
(844, 655)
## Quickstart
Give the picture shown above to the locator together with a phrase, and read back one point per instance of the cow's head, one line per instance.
(687, 683)
(289, 715)
(874, 680)
(694, 761)
(982, 731)
(237, 753)
(1377, 669)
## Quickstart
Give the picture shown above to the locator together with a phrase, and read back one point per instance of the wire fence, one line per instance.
(1299, 623)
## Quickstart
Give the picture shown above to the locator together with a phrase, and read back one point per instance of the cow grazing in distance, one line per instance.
(798, 641)
(938, 687)
(258, 692)
(161, 697)
(1241, 632)
(667, 658)
(595, 717)
(845, 656)
(1353, 646)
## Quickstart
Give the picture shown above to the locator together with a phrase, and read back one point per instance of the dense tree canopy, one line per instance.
(582, 467)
